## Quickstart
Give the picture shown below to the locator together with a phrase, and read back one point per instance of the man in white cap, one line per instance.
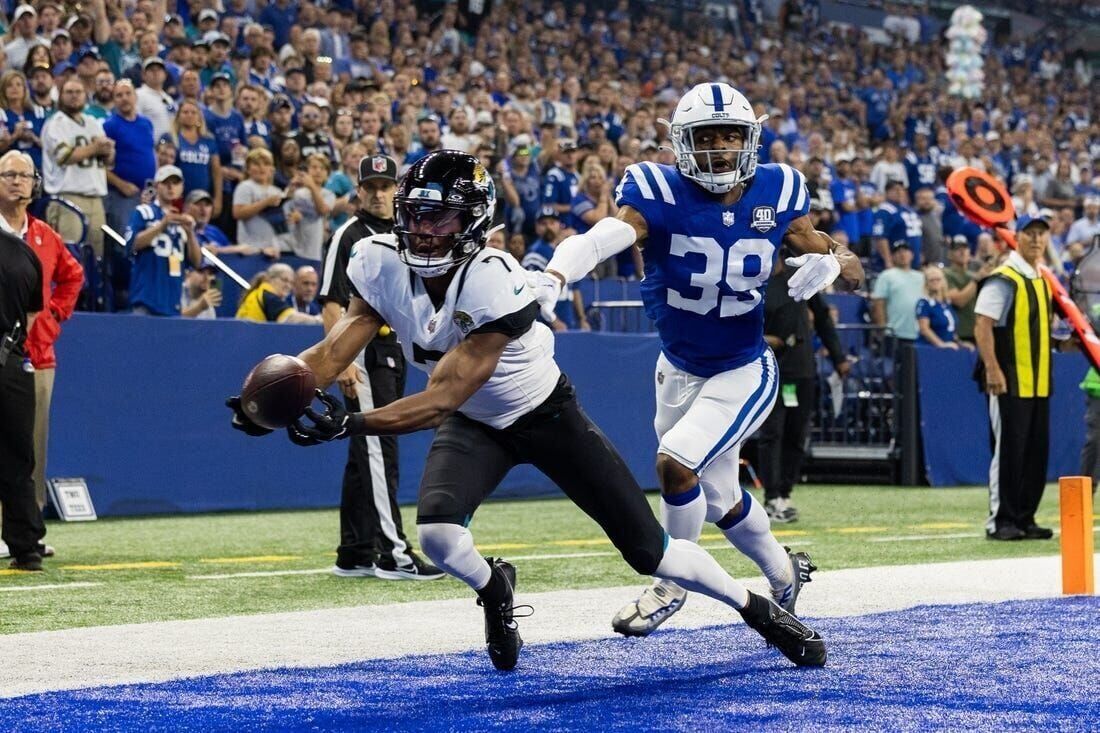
(76, 154)
(160, 238)
(25, 33)
(1082, 231)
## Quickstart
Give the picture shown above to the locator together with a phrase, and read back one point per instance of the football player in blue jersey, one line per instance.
(710, 227)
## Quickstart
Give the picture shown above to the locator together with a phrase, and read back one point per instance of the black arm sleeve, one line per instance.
(335, 284)
(826, 329)
(513, 325)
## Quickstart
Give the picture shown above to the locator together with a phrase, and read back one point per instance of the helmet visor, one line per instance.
(428, 231)
(721, 149)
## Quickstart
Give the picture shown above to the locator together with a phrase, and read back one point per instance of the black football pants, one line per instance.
(781, 441)
(22, 528)
(370, 521)
(468, 459)
(1020, 438)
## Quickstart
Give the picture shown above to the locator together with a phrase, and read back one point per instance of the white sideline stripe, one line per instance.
(45, 586)
(154, 652)
(914, 537)
(265, 574)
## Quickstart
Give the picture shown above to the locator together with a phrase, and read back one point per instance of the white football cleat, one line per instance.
(655, 606)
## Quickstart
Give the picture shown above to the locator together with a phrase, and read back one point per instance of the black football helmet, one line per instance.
(444, 206)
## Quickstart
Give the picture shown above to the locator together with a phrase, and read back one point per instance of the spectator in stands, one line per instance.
(313, 140)
(62, 278)
(1059, 192)
(200, 206)
(936, 318)
(561, 182)
(153, 102)
(22, 121)
(304, 297)
(200, 297)
(266, 301)
(429, 130)
(962, 285)
(933, 251)
(570, 308)
(309, 206)
(889, 168)
(521, 188)
(1082, 232)
(78, 155)
(135, 158)
(43, 92)
(161, 239)
(197, 152)
(894, 221)
(103, 94)
(257, 204)
(896, 292)
(226, 125)
(24, 35)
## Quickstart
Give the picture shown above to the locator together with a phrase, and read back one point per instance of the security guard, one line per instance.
(20, 299)
(372, 540)
(1013, 331)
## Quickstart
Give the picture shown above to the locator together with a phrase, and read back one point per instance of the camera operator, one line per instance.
(20, 300)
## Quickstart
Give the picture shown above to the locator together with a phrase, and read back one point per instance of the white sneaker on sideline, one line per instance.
(4, 552)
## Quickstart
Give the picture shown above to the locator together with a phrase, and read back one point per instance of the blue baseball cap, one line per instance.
(1043, 217)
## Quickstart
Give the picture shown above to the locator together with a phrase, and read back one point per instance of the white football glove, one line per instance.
(815, 273)
(547, 290)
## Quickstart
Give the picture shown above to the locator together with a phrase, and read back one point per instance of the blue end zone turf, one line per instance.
(1018, 665)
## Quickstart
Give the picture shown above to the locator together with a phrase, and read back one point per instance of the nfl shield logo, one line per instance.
(763, 219)
(378, 164)
(727, 218)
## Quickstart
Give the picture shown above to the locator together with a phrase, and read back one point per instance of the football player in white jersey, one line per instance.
(496, 399)
(709, 227)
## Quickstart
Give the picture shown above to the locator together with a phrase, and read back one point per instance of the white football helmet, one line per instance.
(706, 105)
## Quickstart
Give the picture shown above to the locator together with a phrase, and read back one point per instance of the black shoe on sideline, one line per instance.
(1006, 534)
(418, 569)
(1035, 532)
(31, 562)
(502, 637)
(797, 641)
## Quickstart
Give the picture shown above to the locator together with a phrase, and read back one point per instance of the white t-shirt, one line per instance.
(486, 290)
(309, 233)
(159, 107)
(256, 230)
(60, 135)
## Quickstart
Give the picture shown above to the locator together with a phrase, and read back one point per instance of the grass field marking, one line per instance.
(580, 543)
(562, 556)
(506, 546)
(860, 530)
(46, 586)
(254, 558)
(259, 574)
(123, 566)
(923, 537)
(943, 525)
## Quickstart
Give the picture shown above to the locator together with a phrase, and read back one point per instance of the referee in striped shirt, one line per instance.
(372, 540)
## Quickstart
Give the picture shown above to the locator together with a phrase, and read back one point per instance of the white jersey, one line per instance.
(60, 135)
(489, 293)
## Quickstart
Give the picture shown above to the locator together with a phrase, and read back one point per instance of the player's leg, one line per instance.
(465, 464)
(577, 456)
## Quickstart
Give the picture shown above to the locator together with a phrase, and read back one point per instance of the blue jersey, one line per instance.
(894, 222)
(36, 117)
(844, 192)
(706, 265)
(194, 160)
(228, 131)
(867, 215)
(941, 318)
(537, 258)
(156, 279)
(921, 172)
(559, 186)
(581, 204)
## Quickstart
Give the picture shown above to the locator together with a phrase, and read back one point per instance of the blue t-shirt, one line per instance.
(37, 117)
(941, 318)
(194, 159)
(228, 131)
(135, 158)
(844, 192)
(894, 222)
(579, 206)
(156, 278)
(211, 234)
(706, 265)
(529, 189)
(340, 185)
(867, 215)
(921, 172)
(537, 258)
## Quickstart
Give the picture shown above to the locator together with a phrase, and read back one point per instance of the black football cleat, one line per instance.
(1035, 532)
(502, 637)
(797, 641)
(802, 567)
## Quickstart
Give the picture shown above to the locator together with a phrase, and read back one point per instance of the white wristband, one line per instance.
(578, 255)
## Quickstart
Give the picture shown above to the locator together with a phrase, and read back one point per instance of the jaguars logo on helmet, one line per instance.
(444, 207)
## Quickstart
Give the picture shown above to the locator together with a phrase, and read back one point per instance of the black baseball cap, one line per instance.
(547, 212)
(899, 244)
(280, 101)
(221, 76)
(377, 166)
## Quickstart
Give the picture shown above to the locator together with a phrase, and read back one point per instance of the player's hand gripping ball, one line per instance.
(276, 392)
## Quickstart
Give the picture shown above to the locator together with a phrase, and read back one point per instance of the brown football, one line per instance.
(277, 391)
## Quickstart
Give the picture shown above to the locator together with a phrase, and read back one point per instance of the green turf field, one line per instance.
(156, 569)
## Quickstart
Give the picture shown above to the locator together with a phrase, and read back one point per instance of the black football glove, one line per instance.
(332, 424)
(241, 421)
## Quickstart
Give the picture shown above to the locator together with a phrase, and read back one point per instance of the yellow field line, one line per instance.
(580, 543)
(505, 546)
(122, 566)
(944, 525)
(859, 530)
(254, 558)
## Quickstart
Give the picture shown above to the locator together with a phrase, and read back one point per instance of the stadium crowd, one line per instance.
(263, 112)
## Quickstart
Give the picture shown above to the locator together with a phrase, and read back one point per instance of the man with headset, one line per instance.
(372, 541)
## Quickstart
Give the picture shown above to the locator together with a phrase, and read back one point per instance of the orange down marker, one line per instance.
(1076, 501)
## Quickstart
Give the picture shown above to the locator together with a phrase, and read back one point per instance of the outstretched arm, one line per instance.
(579, 254)
(802, 237)
(454, 380)
(344, 341)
